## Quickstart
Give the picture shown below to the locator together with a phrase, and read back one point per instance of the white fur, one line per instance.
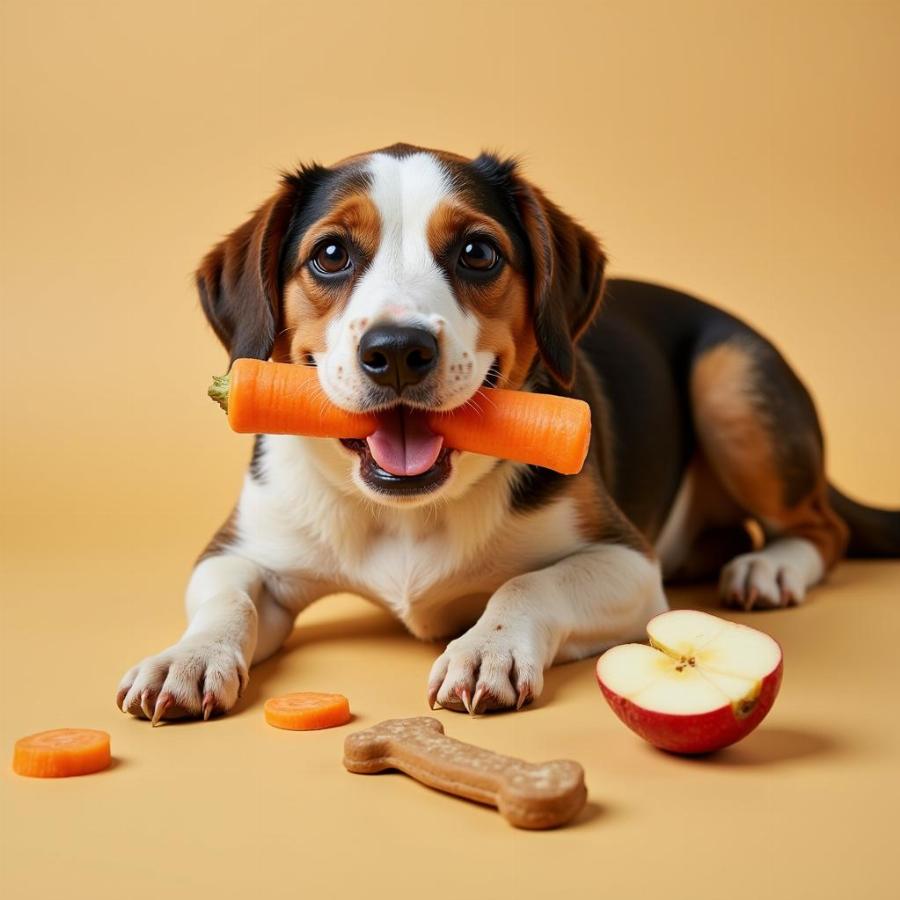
(680, 528)
(439, 570)
(599, 596)
(304, 525)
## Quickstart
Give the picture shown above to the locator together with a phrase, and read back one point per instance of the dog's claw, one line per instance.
(209, 705)
(476, 700)
(163, 703)
(524, 693)
(466, 701)
(432, 697)
(145, 705)
(243, 680)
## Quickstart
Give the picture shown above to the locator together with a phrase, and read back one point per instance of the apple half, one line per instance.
(702, 684)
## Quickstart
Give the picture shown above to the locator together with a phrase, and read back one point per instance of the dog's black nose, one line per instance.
(395, 356)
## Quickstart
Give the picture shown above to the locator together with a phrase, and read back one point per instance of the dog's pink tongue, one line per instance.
(403, 444)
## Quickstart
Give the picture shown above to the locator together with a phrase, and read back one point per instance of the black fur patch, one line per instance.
(485, 184)
(535, 488)
(256, 470)
(318, 190)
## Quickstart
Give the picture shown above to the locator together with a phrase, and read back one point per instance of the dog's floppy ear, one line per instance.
(567, 278)
(240, 279)
(567, 265)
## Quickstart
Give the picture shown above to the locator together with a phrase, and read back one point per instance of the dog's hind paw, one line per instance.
(193, 678)
(754, 581)
(483, 671)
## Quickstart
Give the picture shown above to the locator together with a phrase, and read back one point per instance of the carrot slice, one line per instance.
(307, 711)
(538, 429)
(62, 752)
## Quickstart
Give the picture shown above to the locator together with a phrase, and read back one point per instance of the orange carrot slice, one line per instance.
(307, 711)
(62, 752)
(538, 429)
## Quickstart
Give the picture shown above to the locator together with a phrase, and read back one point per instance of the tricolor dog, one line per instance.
(410, 278)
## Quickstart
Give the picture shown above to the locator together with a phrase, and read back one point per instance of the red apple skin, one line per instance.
(695, 734)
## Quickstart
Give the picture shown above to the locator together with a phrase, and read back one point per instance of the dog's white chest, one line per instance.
(436, 581)
(399, 569)
(431, 568)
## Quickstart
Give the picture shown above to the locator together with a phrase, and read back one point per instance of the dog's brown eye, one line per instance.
(330, 258)
(479, 254)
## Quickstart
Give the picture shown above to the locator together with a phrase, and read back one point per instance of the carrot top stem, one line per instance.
(219, 389)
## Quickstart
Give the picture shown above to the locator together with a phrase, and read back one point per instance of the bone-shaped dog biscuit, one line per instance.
(528, 795)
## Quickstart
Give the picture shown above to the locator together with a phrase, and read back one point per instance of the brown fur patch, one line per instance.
(454, 218)
(355, 217)
(309, 305)
(508, 334)
(814, 519)
(306, 320)
(734, 436)
(500, 305)
(739, 442)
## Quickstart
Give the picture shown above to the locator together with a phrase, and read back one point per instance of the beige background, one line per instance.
(746, 151)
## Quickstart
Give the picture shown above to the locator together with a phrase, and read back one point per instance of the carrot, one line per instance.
(277, 398)
(538, 429)
(62, 752)
(307, 711)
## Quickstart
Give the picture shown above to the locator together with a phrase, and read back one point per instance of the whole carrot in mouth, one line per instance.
(537, 429)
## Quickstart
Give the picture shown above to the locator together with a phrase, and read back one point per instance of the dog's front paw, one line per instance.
(486, 669)
(194, 677)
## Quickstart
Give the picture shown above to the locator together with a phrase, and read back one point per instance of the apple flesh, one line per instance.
(702, 684)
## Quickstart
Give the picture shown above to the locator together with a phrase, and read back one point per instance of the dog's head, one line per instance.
(410, 278)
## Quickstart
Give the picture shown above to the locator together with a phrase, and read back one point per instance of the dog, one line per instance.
(411, 278)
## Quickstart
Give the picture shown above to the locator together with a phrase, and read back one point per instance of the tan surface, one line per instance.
(804, 807)
(746, 151)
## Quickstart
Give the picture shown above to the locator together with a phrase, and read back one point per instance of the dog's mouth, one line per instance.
(403, 456)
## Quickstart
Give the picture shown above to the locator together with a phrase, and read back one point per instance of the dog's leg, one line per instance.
(233, 622)
(600, 596)
(759, 432)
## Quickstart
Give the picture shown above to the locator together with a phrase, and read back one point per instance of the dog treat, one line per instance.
(62, 752)
(307, 711)
(528, 795)
(538, 429)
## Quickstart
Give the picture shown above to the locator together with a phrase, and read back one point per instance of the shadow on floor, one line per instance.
(371, 627)
(557, 679)
(591, 812)
(772, 746)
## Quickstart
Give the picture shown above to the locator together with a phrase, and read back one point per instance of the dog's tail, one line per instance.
(874, 533)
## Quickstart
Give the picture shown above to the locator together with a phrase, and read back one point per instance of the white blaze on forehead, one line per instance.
(404, 281)
(406, 192)
(404, 284)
